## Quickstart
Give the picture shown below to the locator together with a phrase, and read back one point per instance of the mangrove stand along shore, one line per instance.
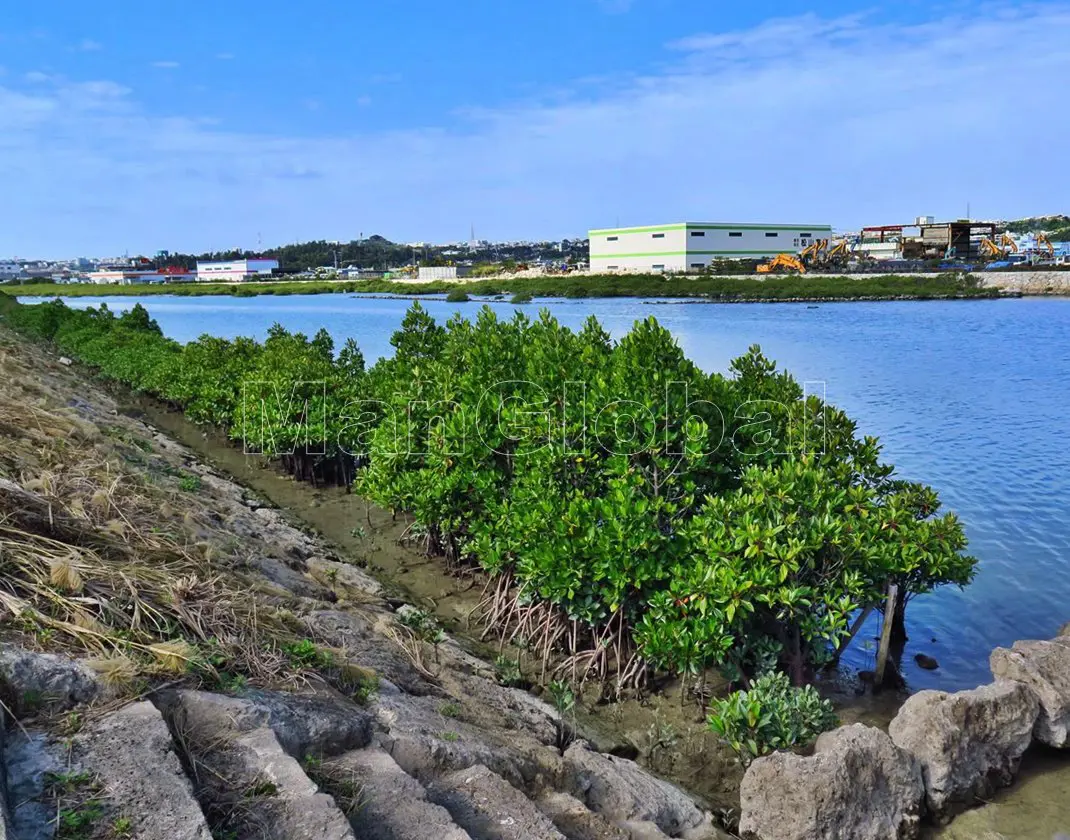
(713, 535)
(711, 288)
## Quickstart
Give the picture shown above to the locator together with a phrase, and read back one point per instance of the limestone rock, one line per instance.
(36, 680)
(969, 743)
(622, 792)
(426, 745)
(576, 821)
(1045, 668)
(356, 634)
(393, 805)
(130, 752)
(858, 785)
(293, 807)
(304, 724)
(488, 807)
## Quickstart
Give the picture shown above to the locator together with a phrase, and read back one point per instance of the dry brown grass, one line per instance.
(95, 561)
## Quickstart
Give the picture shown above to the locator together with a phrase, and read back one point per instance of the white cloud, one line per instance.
(364, 101)
(225, 56)
(165, 65)
(89, 45)
(856, 122)
(36, 77)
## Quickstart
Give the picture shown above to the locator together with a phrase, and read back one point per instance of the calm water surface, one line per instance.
(970, 397)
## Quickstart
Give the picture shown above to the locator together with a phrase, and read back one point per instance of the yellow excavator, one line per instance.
(1008, 244)
(812, 252)
(990, 250)
(783, 262)
(838, 254)
(1045, 243)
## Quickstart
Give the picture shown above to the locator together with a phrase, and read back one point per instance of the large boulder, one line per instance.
(304, 724)
(969, 743)
(1045, 668)
(131, 754)
(622, 792)
(857, 785)
(43, 681)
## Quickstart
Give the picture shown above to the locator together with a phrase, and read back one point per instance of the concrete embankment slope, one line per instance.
(178, 660)
(1029, 282)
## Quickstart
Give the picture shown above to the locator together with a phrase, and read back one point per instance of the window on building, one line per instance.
(698, 233)
(735, 233)
(611, 267)
(698, 265)
(771, 233)
(795, 242)
(612, 238)
(658, 235)
(805, 235)
(658, 267)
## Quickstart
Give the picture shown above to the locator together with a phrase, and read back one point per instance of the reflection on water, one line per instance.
(967, 396)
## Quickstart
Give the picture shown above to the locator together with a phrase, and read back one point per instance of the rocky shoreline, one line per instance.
(943, 754)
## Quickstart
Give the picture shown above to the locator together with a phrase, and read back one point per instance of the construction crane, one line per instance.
(783, 262)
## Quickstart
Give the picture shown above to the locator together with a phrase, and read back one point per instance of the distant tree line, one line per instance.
(377, 252)
(1056, 227)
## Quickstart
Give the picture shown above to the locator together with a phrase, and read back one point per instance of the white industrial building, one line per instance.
(429, 273)
(235, 270)
(692, 246)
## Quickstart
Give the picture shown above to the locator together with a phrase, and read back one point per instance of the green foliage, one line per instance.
(508, 671)
(457, 295)
(771, 715)
(520, 297)
(450, 710)
(1057, 227)
(190, 483)
(79, 823)
(692, 520)
(722, 283)
(562, 696)
(305, 654)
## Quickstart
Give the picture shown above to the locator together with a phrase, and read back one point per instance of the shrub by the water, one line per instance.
(457, 295)
(771, 715)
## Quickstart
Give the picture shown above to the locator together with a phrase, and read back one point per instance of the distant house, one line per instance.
(11, 271)
(235, 271)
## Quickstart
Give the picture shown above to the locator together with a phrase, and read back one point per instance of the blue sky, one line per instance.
(133, 126)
